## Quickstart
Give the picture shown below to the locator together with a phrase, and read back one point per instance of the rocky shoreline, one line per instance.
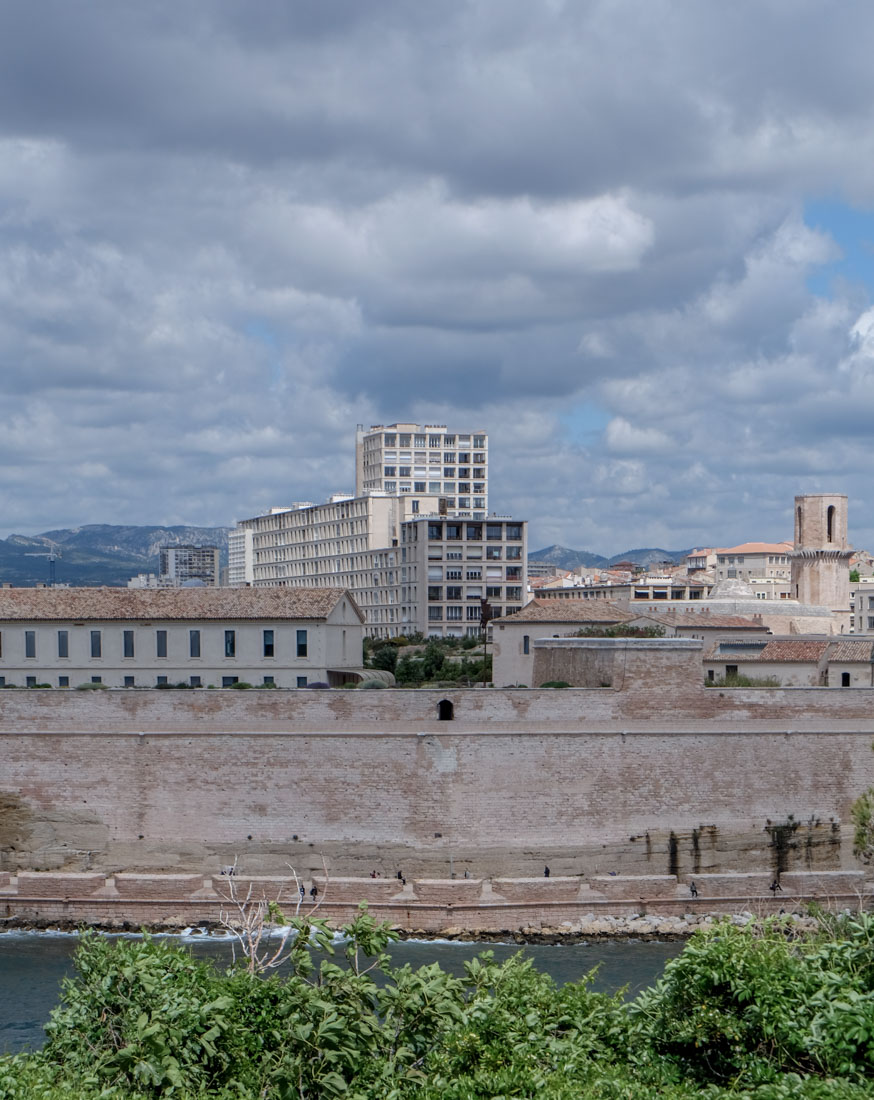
(586, 929)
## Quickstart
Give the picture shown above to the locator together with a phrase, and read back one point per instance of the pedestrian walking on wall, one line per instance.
(775, 886)
(303, 892)
(314, 892)
(693, 889)
(546, 872)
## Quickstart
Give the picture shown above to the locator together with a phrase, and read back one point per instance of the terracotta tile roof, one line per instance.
(851, 649)
(758, 548)
(569, 611)
(782, 650)
(170, 604)
(708, 619)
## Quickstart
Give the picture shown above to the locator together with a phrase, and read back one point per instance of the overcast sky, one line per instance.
(632, 239)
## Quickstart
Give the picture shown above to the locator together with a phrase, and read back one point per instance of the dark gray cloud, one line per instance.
(227, 234)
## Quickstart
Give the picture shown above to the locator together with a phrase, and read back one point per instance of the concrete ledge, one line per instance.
(5, 879)
(58, 884)
(160, 887)
(810, 883)
(616, 887)
(448, 891)
(560, 888)
(256, 887)
(733, 884)
(357, 889)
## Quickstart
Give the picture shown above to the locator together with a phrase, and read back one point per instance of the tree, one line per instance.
(385, 657)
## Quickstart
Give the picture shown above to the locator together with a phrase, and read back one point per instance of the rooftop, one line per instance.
(108, 604)
(568, 611)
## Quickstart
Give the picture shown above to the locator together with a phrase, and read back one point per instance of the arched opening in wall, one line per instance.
(798, 536)
(445, 711)
(830, 523)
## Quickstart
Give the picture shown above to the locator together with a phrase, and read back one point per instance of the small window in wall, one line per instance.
(195, 681)
(301, 643)
(445, 711)
(269, 680)
(2, 681)
(731, 670)
(711, 675)
(161, 643)
(96, 679)
(229, 681)
(128, 642)
(30, 643)
(96, 645)
(193, 643)
(301, 681)
(162, 680)
(268, 643)
(129, 681)
(845, 679)
(63, 681)
(63, 643)
(30, 682)
(230, 643)
(526, 644)
(830, 523)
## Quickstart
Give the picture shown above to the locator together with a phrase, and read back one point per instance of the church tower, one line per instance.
(821, 556)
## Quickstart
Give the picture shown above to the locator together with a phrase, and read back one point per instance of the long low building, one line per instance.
(197, 637)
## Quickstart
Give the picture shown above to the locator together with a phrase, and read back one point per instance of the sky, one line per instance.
(632, 241)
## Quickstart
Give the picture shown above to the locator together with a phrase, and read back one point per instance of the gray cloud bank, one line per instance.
(229, 232)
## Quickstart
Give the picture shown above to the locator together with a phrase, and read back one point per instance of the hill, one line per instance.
(97, 554)
(564, 558)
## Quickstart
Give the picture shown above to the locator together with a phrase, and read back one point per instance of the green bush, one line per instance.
(90, 687)
(738, 680)
(555, 684)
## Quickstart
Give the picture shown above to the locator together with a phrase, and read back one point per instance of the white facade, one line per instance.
(425, 459)
(198, 637)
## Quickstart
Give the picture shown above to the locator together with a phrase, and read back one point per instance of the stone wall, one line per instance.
(664, 777)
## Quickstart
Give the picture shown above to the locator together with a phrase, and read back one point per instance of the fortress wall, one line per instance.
(663, 781)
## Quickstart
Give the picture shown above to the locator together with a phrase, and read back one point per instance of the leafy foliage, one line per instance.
(749, 1013)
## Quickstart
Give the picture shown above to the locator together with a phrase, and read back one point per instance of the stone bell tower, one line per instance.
(821, 556)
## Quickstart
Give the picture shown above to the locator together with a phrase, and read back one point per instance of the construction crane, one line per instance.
(53, 553)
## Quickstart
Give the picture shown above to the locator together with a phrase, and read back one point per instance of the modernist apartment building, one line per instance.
(201, 637)
(449, 565)
(181, 565)
(425, 459)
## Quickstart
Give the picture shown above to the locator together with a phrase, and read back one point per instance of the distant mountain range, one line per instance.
(98, 554)
(564, 558)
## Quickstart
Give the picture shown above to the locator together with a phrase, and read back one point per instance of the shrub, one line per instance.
(372, 685)
(90, 687)
(240, 685)
(318, 684)
(738, 680)
(555, 684)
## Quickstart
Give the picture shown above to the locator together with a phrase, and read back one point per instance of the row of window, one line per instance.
(403, 439)
(453, 592)
(419, 458)
(473, 532)
(160, 681)
(471, 613)
(128, 645)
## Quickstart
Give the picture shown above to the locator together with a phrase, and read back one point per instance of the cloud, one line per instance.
(228, 236)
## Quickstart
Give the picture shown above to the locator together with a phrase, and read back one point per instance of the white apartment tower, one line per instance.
(425, 459)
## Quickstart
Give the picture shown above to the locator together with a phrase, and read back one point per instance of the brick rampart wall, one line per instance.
(656, 779)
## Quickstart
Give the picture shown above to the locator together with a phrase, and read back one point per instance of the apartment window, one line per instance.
(453, 555)
(195, 681)
(475, 592)
(514, 572)
(268, 643)
(453, 575)
(454, 614)
(418, 486)
(871, 622)
(453, 592)
(301, 681)
(405, 471)
(63, 681)
(435, 592)
(230, 643)
(493, 553)
(435, 530)
(389, 471)
(128, 681)
(229, 681)
(390, 439)
(434, 487)
(514, 593)
(474, 574)
(474, 532)
(473, 614)
(96, 646)
(493, 592)
(453, 531)
(449, 471)
(514, 531)
(463, 472)
(128, 645)
(404, 440)
(478, 457)
(193, 643)
(434, 442)
(479, 441)
(301, 643)
(63, 643)
(448, 440)
(30, 643)
(435, 614)
(493, 531)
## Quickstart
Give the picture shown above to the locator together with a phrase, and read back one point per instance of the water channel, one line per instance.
(32, 965)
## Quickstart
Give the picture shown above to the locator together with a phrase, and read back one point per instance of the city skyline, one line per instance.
(634, 244)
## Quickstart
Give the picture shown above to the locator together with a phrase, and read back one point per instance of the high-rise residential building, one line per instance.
(181, 565)
(425, 459)
(383, 545)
